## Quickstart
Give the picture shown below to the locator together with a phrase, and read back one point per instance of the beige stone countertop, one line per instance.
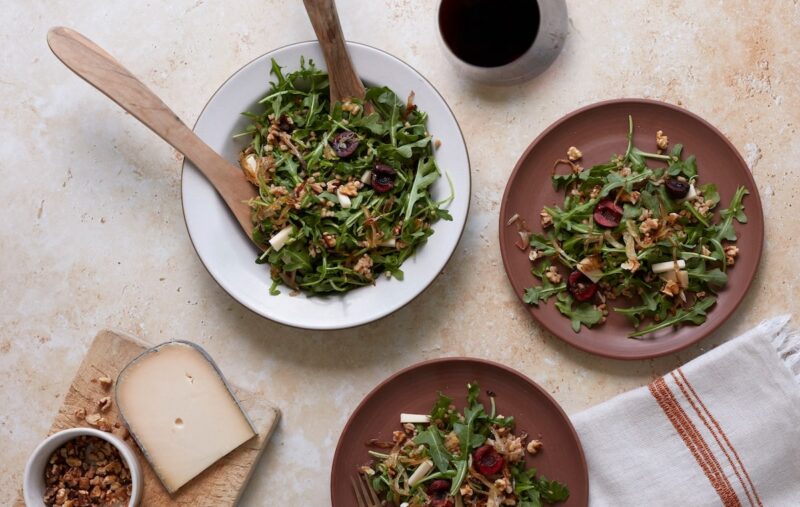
(92, 234)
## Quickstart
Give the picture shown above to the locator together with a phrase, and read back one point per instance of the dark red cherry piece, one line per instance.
(580, 286)
(487, 461)
(607, 214)
(344, 144)
(383, 178)
(676, 189)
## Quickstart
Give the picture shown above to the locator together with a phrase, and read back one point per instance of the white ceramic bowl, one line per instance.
(33, 481)
(228, 254)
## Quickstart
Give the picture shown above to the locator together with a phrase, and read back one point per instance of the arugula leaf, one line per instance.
(696, 314)
(714, 277)
(710, 193)
(533, 295)
(462, 466)
(441, 407)
(426, 175)
(433, 440)
(405, 151)
(725, 231)
(583, 314)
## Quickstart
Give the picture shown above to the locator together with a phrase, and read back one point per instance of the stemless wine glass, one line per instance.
(502, 41)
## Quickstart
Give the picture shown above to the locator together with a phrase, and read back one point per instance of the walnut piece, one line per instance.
(574, 154)
(86, 471)
(534, 446)
(104, 404)
(105, 382)
(662, 141)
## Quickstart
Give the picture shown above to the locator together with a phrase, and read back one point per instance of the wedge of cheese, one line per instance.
(180, 410)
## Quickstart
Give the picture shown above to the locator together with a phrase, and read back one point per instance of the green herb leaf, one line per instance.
(583, 314)
(433, 440)
(696, 314)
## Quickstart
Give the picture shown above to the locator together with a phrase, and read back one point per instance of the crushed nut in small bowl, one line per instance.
(82, 467)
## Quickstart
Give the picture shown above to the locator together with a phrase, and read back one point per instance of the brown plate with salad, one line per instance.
(460, 432)
(631, 228)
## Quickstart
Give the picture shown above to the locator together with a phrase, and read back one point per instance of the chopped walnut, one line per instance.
(553, 275)
(105, 382)
(329, 240)
(648, 225)
(504, 485)
(80, 414)
(595, 191)
(671, 288)
(332, 185)
(545, 218)
(465, 490)
(631, 264)
(705, 251)
(451, 442)
(700, 295)
(364, 266)
(366, 470)
(535, 254)
(625, 172)
(349, 189)
(86, 471)
(350, 107)
(409, 428)
(104, 404)
(662, 141)
(534, 446)
(574, 154)
(731, 251)
(93, 419)
(646, 213)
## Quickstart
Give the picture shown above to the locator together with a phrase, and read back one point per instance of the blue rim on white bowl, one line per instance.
(228, 254)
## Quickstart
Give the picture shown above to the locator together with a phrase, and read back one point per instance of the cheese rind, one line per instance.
(180, 411)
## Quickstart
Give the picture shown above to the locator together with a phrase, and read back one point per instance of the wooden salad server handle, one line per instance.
(344, 82)
(101, 70)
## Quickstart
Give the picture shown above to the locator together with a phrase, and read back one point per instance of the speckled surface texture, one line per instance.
(92, 234)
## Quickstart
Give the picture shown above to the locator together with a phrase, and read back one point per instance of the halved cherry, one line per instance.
(607, 213)
(345, 143)
(383, 178)
(438, 492)
(580, 286)
(487, 461)
(676, 189)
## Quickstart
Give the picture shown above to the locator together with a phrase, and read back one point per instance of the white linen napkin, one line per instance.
(724, 429)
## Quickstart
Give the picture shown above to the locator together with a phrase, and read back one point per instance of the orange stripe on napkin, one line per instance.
(694, 441)
(716, 430)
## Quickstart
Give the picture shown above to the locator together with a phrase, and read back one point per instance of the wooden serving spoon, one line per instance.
(102, 71)
(344, 82)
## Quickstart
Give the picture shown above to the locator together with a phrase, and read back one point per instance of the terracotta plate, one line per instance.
(413, 390)
(600, 130)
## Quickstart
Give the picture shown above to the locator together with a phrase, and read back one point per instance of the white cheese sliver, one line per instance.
(277, 241)
(181, 412)
(661, 267)
(414, 418)
(420, 473)
(344, 201)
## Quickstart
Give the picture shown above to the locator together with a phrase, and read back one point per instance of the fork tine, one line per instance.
(364, 493)
(372, 494)
(361, 503)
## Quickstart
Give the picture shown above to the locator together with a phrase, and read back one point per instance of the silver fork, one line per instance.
(365, 495)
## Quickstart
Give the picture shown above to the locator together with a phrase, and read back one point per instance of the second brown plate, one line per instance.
(413, 390)
(600, 130)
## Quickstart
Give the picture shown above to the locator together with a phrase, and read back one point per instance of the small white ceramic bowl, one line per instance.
(33, 481)
(228, 254)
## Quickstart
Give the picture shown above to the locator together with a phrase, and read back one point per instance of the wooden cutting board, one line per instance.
(218, 486)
